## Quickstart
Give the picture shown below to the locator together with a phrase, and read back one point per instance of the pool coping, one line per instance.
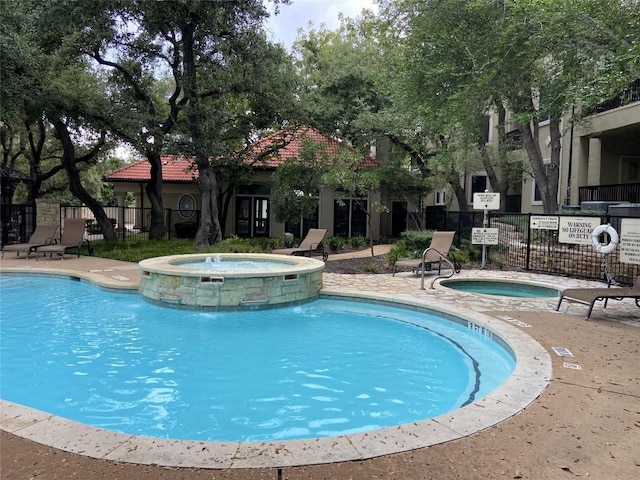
(531, 376)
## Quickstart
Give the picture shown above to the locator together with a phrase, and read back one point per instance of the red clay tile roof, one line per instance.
(177, 169)
(174, 169)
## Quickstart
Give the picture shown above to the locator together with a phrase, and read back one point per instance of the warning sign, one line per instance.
(544, 222)
(486, 201)
(630, 240)
(484, 236)
(577, 230)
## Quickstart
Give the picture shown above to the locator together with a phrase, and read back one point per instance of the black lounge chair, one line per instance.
(589, 296)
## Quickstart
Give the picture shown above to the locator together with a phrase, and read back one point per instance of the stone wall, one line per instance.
(47, 212)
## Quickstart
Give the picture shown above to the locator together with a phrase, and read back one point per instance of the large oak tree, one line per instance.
(534, 58)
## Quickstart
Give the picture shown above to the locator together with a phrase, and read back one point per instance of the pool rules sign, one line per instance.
(484, 236)
(485, 201)
(630, 240)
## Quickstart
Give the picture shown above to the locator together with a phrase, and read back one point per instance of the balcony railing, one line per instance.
(623, 193)
(628, 95)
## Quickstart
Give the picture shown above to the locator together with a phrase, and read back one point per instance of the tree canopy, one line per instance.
(200, 79)
(534, 58)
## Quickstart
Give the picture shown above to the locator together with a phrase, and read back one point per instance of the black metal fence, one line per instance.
(461, 222)
(18, 223)
(132, 223)
(521, 247)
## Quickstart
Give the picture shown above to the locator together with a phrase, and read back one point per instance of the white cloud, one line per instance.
(283, 28)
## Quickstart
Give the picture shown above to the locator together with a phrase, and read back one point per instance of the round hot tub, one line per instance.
(230, 280)
(502, 288)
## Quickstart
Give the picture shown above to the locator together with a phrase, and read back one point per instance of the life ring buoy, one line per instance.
(605, 247)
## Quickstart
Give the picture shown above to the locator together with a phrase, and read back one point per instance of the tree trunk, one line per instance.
(8, 187)
(36, 145)
(209, 231)
(157, 228)
(225, 200)
(453, 177)
(553, 178)
(75, 184)
(546, 176)
(499, 183)
(502, 185)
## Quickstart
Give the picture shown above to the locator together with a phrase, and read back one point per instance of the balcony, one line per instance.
(629, 95)
(623, 193)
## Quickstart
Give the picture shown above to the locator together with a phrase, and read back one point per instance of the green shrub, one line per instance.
(370, 268)
(399, 250)
(460, 256)
(357, 242)
(417, 240)
(411, 244)
(235, 244)
(473, 252)
(335, 243)
(582, 213)
(186, 229)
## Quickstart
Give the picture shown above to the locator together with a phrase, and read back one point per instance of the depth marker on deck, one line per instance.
(562, 351)
(573, 366)
(515, 321)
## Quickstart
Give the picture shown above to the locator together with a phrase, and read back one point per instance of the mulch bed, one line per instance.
(377, 264)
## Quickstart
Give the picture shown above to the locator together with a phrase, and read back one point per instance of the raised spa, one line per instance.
(230, 280)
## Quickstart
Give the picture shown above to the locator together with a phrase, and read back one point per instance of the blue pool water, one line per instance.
(502, 288)
(233, 265)
(326, 368)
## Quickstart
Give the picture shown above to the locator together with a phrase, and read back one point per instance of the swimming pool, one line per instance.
(326, 368)
(501, 288)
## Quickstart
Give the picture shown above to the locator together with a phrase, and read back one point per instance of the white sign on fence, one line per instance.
(630, 240)
(544, 222)
(486, 201)
(484, 236)
(577, 230)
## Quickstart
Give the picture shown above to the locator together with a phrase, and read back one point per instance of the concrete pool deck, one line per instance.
(606, 390)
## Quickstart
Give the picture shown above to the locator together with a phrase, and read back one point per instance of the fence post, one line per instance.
(527, 266)
(168, 223)
(121, 222)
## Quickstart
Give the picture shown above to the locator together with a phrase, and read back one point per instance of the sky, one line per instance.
(283, 28)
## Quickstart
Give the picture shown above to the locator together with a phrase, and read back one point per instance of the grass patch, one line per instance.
(135, 251)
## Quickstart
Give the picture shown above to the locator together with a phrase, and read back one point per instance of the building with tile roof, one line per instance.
(249, 212)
